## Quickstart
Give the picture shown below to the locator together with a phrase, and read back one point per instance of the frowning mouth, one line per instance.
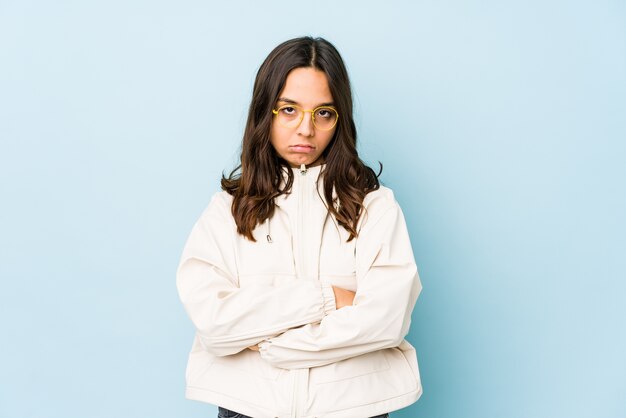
(301, 148)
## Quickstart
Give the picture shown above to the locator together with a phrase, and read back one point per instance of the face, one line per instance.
(307, 88)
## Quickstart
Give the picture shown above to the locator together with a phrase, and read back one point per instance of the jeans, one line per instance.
(227, 413)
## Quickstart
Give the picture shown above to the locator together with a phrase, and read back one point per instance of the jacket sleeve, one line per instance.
(229, 318)
(387, 288)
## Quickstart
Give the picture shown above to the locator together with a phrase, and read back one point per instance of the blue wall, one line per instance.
(501, 127)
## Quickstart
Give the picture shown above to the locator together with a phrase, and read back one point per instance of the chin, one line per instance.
(297, 160)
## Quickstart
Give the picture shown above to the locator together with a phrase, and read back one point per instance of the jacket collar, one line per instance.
(312, 175)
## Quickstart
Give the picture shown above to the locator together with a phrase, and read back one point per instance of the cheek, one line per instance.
(328, 138)
(276, 136)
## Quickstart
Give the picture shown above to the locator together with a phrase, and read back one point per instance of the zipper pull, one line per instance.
(302, 169)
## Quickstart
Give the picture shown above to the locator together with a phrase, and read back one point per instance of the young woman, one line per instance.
(299, 275)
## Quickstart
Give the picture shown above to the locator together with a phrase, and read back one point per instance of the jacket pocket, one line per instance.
(242, 378)
(380, 376)
(247, 362)
(350, 368)
(198, 364)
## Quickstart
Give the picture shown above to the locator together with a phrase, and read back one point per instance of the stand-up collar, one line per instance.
(311, 177)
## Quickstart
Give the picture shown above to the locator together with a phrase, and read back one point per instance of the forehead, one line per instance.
(307, 86)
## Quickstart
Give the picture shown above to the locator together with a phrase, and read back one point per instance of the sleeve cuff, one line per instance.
(264, 347)
(329, 299)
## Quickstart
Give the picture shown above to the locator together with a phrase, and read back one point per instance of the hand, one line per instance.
(343, 297)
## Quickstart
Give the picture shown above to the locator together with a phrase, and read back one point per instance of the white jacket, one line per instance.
(314, 360)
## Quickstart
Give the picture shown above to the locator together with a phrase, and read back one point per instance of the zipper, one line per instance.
(302, 213)
(301, 377)
(294, 405)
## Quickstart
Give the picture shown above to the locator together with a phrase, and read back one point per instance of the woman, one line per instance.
(299, 275)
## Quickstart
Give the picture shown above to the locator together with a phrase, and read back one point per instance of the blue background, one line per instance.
(501, 127)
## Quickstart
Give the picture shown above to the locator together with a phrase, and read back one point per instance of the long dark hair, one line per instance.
(256, 181)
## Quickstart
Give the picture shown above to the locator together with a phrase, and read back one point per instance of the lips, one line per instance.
(306, 148)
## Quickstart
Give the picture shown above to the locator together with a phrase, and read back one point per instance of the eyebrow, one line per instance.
(286, 100)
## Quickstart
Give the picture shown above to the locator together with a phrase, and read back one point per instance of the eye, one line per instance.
(288, 110)
(324, 113)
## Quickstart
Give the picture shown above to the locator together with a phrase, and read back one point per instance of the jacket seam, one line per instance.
(268, 330)
(376, 221)
(418, 389)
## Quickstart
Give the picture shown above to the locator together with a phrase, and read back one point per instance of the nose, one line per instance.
(306, 127)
